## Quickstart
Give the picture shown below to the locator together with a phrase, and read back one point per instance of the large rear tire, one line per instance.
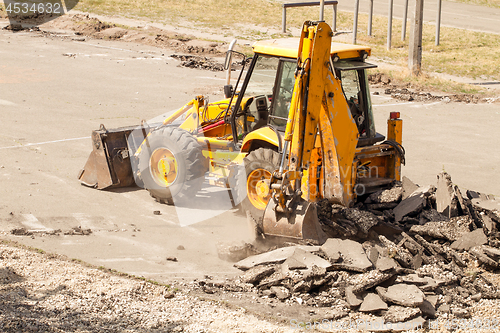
(172, 166)
(259, 167)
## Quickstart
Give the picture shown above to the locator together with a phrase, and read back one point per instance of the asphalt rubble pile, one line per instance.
(404, 254)
(407, 92)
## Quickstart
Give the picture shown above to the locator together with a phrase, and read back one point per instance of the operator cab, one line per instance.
(270, 80)
(354, 80)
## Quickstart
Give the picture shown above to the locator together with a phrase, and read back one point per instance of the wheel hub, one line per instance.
(262, 188)
(258, 188)
(164, 168)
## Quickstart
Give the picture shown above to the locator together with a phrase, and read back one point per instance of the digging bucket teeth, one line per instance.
(300, 224)
(109, 164)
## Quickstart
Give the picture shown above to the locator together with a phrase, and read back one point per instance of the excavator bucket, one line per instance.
(109, 164)
(300, 224)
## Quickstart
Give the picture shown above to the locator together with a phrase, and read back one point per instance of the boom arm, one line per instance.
(318, 107)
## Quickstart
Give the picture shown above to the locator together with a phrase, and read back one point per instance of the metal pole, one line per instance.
(334, 24)
(283, 20)
(322, 10)
(438, 22)
(389, 25)
(370, 16)
(355, 25)
(405, 18)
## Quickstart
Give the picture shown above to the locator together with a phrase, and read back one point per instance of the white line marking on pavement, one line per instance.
(431, 104)
(424, 105)
(124, 259)
(45, 142)
(393, 104)
(116, 48)
(6, 103)
(212, 78)
(31, 222)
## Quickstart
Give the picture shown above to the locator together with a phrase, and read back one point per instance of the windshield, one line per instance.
(285, 81)
(257, 93)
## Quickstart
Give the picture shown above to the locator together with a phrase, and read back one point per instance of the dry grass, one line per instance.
(207, 13)
(463, 53)
(426, 82)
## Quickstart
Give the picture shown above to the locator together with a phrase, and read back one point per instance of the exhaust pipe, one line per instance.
(322, 10)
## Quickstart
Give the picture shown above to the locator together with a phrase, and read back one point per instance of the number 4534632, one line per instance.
(25, 8)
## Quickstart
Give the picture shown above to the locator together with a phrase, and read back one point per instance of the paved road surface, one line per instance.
(454, 14)
(55, 91)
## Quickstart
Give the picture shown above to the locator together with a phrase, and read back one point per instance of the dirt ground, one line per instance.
(66, 78)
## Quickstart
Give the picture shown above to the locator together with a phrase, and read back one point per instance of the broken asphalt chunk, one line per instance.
(281, 293)
(446, 199)
(448, 230)
(400, 254)
(391, 195)
(372, 303)
(428, 309)
(363, 220)
(353, 257)
(308, 259)
(257, 273)
(354, 300)
(292, 264)
(481, 256)
(272, 257)
(491, 252)
(235, 252)
(486, 204)
(413, 204)
(365, 281)
(470, 239)
(402, 294)
(398, 314)
(408, 187)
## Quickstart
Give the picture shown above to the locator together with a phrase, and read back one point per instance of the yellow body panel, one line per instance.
(224, 157)
(263, 134)
(395, 133)
(328, 114)
(289, 48)
(339, 136)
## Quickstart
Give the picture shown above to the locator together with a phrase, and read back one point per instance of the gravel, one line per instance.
(46, 293)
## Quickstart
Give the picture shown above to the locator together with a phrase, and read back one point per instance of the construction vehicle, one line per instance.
(296, 129)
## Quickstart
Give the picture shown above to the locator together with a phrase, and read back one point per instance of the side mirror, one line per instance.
(228, 90)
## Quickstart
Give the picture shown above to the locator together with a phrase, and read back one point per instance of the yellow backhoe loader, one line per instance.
(296, 129)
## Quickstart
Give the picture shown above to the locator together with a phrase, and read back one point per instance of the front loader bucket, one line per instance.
(109, 163)
(302, 223)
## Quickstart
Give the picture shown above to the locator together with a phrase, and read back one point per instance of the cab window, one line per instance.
(258, 93)
(285, 81)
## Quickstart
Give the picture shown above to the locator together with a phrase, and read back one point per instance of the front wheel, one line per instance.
(259, 167)
(171, 165)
